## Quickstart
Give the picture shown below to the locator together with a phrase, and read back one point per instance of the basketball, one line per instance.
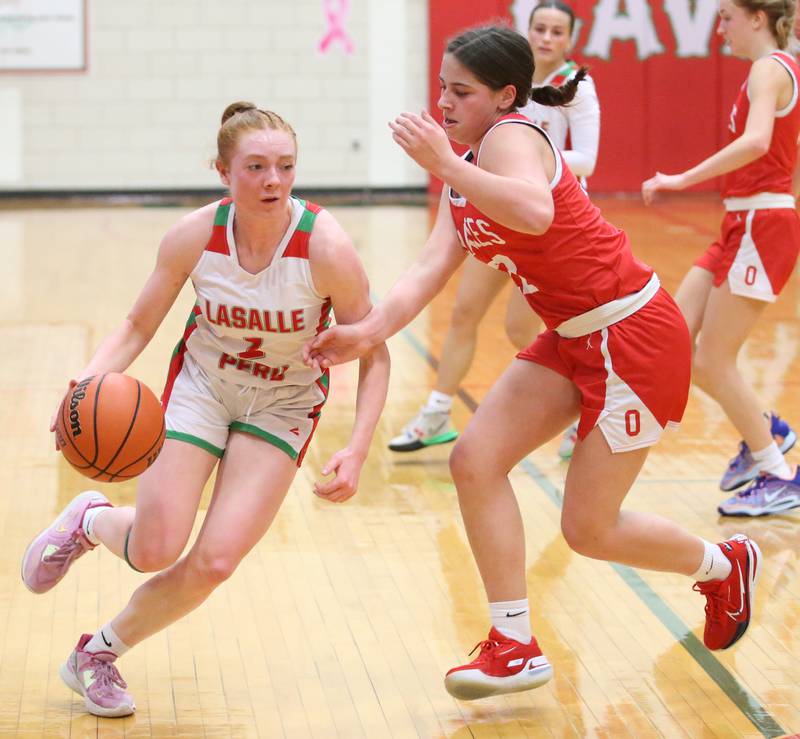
(110, 427)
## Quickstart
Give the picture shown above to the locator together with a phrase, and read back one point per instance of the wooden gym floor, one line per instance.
(344, 619)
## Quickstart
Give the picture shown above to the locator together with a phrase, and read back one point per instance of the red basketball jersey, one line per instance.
(580, 262)
(773, 171)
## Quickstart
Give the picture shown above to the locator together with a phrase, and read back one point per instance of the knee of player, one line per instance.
(462, 461)
(211, 569)
(582, 535)
(706, 365)
(466, 318)
(521, 336)
(152, 556)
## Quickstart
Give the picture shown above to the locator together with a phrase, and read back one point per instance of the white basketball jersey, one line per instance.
(553, 119)
(249, 328)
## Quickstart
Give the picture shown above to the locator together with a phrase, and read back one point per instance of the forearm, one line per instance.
(373, 383)
(580, 163)
(584, 132)
(513, 202)
(738, 153)
(117, 350)
(408, 296)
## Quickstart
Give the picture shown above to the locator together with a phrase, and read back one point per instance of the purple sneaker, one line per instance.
(50, 554)
(768, 494)
(94, 676)
(743, 468)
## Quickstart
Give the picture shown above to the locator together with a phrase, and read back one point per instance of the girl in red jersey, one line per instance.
(616, 354)
(575, 130)
(727, 289)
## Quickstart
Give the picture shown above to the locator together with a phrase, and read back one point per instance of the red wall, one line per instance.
(662, 112)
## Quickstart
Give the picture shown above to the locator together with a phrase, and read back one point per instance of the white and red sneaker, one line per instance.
(729, 602)
(502, 666)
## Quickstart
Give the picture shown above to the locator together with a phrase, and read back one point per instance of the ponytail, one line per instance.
(557, 96)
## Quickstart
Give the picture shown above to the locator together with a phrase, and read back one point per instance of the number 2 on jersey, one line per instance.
(254, 352)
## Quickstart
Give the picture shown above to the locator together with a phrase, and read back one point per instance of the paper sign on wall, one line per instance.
(42, 35)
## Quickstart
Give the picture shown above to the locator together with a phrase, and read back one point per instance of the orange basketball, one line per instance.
(110, 427)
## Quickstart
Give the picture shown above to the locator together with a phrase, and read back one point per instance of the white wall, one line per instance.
(146, 113)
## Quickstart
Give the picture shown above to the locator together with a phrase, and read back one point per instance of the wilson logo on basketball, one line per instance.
(78, 394)
(123, 429)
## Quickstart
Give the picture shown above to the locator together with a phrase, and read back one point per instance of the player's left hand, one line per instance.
(423, 139)
(346, 465)
(661, 181)
(336, 345)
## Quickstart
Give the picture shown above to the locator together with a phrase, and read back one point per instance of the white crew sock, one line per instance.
(715, 565)
(106, 640)
(771, 460)
(512, 619)
(439, 402)
(88, 522)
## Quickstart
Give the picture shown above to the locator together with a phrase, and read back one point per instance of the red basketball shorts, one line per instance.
(756, 252)
(633, 376)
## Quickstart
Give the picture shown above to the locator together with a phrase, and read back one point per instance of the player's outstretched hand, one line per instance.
(70, 385)
(347, 467)
(338, 344)
(661, 181)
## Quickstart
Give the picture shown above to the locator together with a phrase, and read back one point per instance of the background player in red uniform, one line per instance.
(727, 289)
(575, 130)
(616, 352)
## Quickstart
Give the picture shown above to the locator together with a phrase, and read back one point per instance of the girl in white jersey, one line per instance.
(727, 289)
(575, 129)
(267, 268)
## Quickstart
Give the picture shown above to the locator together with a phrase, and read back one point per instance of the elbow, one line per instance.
(541, 220)
(382, 356)
(583, 166)
(586, 171)
(759, 147)
(377, 359)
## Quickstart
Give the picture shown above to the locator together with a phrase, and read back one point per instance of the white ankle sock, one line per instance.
(512, 619)
(439, 402)
(715, 565)
(771, 460)
(88, 522)
(106, 640)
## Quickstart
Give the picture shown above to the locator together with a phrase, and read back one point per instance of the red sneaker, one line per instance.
(502, 666)
(729, 602)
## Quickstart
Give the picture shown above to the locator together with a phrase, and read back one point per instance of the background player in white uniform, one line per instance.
(241, 388)
(575, 129)
(726, 291)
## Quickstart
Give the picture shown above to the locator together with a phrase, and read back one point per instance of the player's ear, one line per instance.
(222, 171)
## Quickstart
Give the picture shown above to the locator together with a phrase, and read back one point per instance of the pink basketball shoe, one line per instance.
(50, 554)
(94, 676)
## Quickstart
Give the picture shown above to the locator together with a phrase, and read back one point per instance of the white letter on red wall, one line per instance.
(610, 24)
(691, 29)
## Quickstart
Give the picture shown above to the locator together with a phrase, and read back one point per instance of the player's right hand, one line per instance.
(71, 385)
(661, 181)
